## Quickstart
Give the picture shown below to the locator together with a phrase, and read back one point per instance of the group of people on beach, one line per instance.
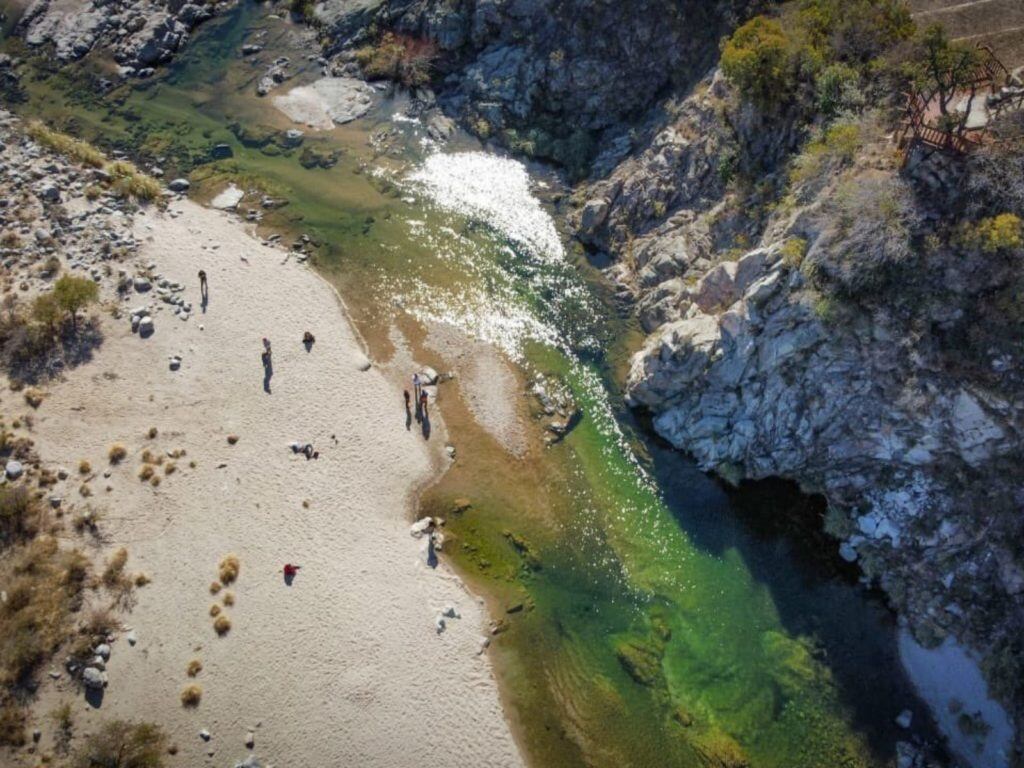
(420, 393)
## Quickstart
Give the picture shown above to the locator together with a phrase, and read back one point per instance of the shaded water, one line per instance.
(644, 623)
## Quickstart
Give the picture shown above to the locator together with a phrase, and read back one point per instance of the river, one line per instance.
(649, 617)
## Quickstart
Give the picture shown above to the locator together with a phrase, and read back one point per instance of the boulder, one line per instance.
(14, 469)
(103, 651)
(94, 679)
(179, 185)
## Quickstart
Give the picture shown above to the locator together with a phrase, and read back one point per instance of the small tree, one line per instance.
(945, 70)
(75, 293)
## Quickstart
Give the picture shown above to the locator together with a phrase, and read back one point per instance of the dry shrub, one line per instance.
(120, 744)
(142, 579)
(229, 599)
(146, 472)
(34, 397)
(44, 586)
(214, 587)
(228, 569)
(84, 467)
(21, 516)
(232, 439)
(100, 621)
(84, 490)
(194, 668)
(169, 468)
(148, 457)
(113, 574)
(152, 433)
(222, 625)
(215, 610)
(154, 480)
(116, 453)
(190, 695)
(12, 726)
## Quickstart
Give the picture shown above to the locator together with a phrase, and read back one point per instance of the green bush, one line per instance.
(994, 234)
(774, 60)
(759, 60)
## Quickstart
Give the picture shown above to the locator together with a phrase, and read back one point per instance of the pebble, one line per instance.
(132, 638)
(204, 735)
(250, 739)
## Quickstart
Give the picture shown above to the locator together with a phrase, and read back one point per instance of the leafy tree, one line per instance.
(75, 293)
(758, 59)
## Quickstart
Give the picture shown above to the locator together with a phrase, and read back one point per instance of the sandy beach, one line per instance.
(346, 665)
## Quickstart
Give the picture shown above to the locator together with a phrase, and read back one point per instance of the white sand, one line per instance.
(342, 668)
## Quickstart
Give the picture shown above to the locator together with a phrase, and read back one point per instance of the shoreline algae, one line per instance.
(639, 622)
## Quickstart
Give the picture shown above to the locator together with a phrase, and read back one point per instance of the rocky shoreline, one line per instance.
(140, 34)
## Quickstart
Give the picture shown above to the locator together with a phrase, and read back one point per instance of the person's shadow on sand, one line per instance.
(204, 298)
(408, 417)
(268, 372)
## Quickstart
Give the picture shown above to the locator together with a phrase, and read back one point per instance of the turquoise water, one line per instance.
(646, 622)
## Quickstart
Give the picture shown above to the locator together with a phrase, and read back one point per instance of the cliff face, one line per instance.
(556, 73)
(833, 337)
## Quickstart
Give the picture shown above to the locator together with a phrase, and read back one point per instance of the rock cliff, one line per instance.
(833, 337)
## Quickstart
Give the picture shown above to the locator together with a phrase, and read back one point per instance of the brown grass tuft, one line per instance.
(152, 433)
(222, 625)
(190, 695)
(146, 472)
(229, 598)
(228, 569)
(215, 610)
(142, 579)
(194, 668)
(84, 467)
(113, 574)
(154, 480)
(214, 587)
(34, 397)
(116, 453)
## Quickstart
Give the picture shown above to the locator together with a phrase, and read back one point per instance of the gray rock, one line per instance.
(103, 651)
(93, 678)
(179, 185)
(14, 469)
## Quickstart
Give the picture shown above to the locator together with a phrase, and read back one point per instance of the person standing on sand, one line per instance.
(423, 402)
(266, 346)
(416, 386)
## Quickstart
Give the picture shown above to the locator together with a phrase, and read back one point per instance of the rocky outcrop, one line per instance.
(564, 70)
(141, 33)
(826, 351)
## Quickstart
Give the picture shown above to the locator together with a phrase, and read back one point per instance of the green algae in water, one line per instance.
(645, 628)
